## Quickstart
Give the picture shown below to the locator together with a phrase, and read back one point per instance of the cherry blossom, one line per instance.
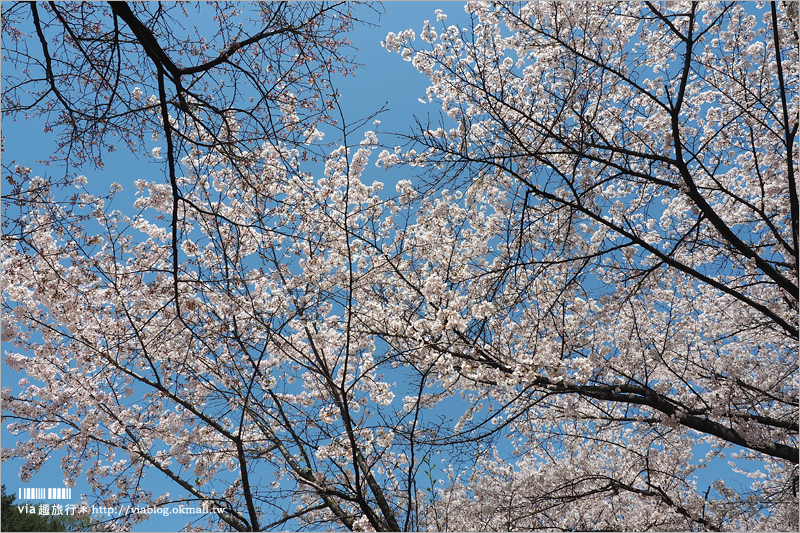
(629, 212)
(583, 302)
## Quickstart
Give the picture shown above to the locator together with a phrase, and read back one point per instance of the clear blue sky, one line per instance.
(383, 80)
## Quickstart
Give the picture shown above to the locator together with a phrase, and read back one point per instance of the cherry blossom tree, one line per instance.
(598, 261)
(105, 76)
(257, 391)
(607, 248)
(203, 345)
(111, 73)
(252, 387)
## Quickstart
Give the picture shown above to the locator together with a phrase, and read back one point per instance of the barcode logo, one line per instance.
(49, 493)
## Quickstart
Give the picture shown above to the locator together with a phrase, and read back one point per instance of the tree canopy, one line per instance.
(596, 260)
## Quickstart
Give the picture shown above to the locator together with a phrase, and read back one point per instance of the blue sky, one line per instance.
(384, 79)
